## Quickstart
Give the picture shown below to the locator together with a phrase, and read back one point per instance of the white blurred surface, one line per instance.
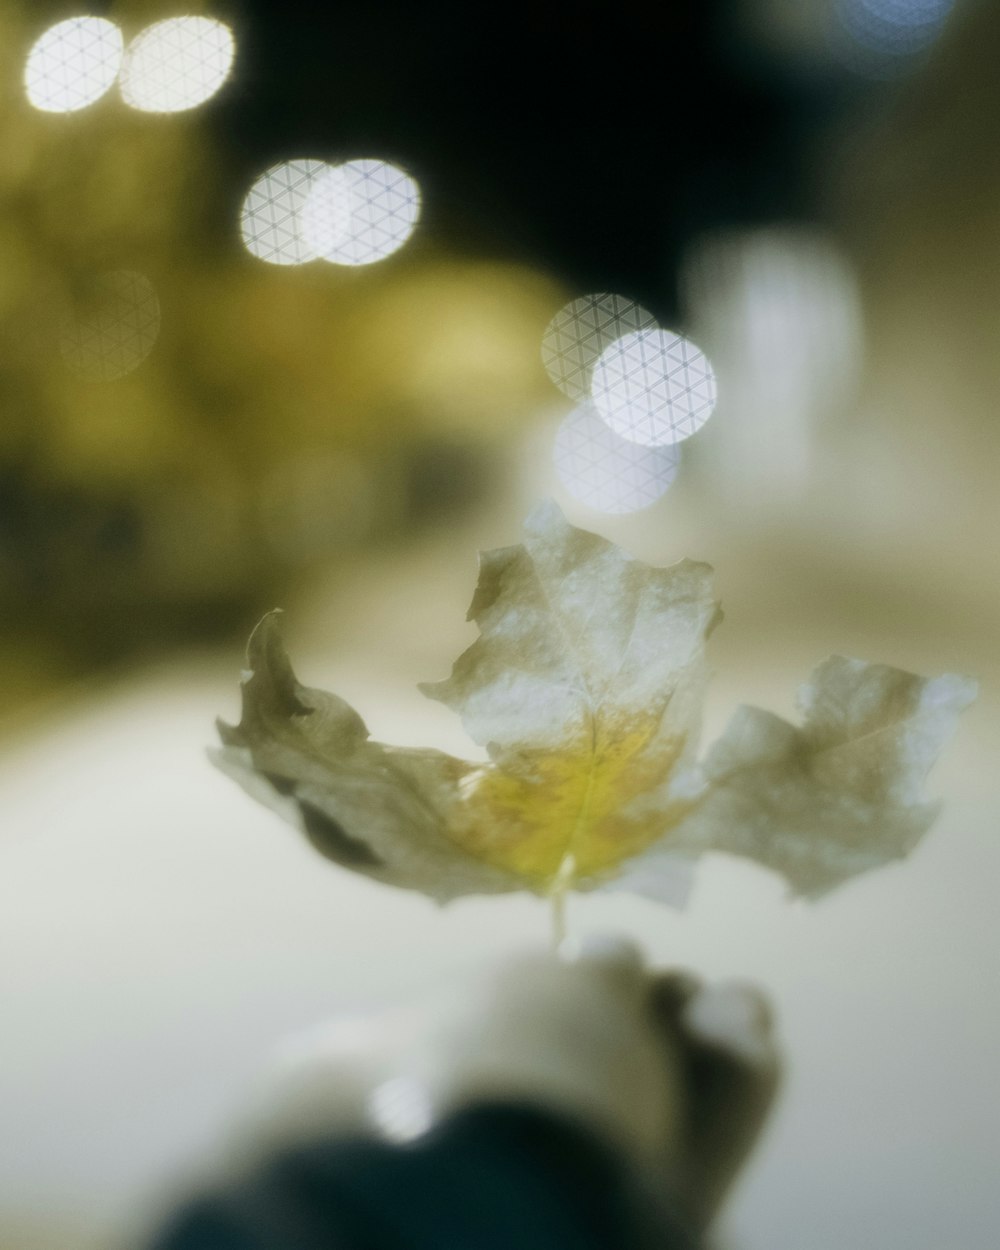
(159, 933)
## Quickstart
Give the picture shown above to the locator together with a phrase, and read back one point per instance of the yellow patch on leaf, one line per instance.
(563, 815)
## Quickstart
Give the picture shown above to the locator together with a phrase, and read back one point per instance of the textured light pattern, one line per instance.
(269, 218)
(581, 331)
(654, 387)
(360, 212)
(115, 329)
(326, 221)
(73, 64)
(606, 472)
(177, 64)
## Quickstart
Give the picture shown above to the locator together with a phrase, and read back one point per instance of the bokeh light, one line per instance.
(326, 220)
(580, 332)
(877, 38)
(360, 212)
(177, 64)
(654, 387)
(270, 216)
(779, 311)
(73, 64)
(606, 472)
(114, 327)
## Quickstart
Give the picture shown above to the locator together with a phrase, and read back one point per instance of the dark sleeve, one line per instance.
(491, 1178)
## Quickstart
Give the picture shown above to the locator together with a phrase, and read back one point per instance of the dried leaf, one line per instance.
(387, 812)
(586, 685)
(837, 797)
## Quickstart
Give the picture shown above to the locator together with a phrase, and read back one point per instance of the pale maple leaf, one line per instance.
(586, 686)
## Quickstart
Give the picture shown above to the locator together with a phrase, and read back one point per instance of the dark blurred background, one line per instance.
(559, 151)
(592, 143)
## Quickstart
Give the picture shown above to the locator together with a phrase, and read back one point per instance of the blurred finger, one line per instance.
(723, 1040)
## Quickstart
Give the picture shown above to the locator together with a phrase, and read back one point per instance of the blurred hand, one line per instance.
(676, 1075)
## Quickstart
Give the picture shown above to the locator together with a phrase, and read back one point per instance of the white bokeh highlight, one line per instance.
(654, 387)
(114, 329)
(270, 216)
(578, 334)
(73, 64)
(326, 218)
(360, 212)
(177, 64)
(608, 473)
(352, 214)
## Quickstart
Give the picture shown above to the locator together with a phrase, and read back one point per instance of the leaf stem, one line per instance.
(561, 885)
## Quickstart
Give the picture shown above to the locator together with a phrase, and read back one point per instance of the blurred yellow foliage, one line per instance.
(147, 485)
